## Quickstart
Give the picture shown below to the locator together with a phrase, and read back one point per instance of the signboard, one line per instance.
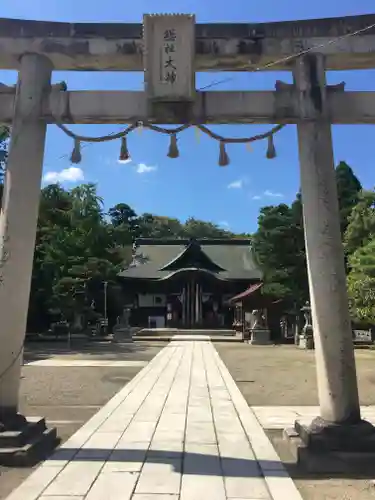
(362, 336)
(168, 57)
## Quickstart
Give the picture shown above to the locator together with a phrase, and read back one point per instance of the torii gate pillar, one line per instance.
(340, 421)
(18, 223)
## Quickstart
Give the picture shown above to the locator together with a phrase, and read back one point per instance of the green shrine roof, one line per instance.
(227, 259)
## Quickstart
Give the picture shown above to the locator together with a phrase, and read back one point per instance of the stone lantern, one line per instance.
(306, 338)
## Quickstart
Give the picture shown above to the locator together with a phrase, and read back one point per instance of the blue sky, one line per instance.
(194, 185)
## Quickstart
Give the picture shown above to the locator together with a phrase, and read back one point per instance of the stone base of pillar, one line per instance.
(260, 337)
(323, 447)
(246, 335)
(323, 436)
(25, 442)
(305, 341)
(122, 335)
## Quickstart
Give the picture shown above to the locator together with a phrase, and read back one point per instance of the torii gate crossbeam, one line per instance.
(280, 106)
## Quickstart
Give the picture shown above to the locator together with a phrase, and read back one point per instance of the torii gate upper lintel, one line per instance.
(221, 47)
(170, 56)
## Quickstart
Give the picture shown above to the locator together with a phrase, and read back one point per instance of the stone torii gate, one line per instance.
(35, 49)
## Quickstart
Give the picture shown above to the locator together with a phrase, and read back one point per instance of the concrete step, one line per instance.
(169, 332)
(29, 454)
(11, 439)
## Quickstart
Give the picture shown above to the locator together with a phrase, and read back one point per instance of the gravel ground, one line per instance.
(285, 376)
(69, 396)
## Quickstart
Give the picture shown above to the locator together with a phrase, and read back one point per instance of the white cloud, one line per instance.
(256, 197)
(236, 184)
(272, 194)
(124, 162)
(142, 168)
(71, 174)
(224, 224)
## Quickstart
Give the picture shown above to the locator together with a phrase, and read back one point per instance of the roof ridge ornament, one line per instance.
(193, 246)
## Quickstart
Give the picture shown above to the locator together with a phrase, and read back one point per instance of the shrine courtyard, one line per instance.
(277, 382)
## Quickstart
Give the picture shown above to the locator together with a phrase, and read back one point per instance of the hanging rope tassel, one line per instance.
(271, 150)
(173, 151)
(223, 156)
(76, 156)
(124, 152)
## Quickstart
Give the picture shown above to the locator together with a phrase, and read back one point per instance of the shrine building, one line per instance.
(187, 283)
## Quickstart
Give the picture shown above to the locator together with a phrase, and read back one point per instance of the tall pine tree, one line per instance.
(348, 190)
(280, 251)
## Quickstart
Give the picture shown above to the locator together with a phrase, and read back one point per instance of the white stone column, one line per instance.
(18, 221)
(336, 372)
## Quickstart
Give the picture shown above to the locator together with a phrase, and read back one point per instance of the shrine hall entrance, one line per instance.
(187, 283)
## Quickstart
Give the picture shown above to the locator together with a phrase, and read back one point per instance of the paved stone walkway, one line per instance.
(180, 430)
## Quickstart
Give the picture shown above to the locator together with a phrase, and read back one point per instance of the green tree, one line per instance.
(77, 250)
(195, 228)
(158, 226)
(348, 190)
(54, 225)
(280, 252)
(122, 215)
(88, 256)
(361, 223)
(279, 241)
(361, 283)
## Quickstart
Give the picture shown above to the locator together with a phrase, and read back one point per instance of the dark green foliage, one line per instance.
(360, 248)
(361, 283)
(348, 189)
(279, 247)
(361, 223)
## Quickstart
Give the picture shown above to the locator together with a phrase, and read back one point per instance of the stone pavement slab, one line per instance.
(180, 430)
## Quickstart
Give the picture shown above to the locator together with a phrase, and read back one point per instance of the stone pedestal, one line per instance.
(18, 222)
(260, 336)
(305, 341)
(325, 448)
(322, 436)
(122, 331)
(121, 335)
(25, 444)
